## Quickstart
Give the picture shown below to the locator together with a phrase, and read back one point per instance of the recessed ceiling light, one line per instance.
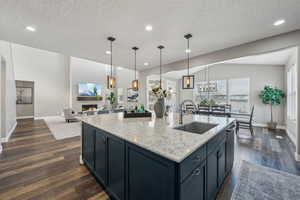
(148, 28)
(30, 28)
(108, 52)
(146, 64)
(279, 22)
(187, 51)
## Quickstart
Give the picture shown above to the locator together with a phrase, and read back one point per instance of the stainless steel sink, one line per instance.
(196, 127)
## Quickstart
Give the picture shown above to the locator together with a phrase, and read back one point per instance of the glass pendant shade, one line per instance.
(188, 80)
(135, 85)
(111, 82)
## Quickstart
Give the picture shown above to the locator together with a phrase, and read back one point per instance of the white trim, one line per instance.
(26, 117)
(297, 157)
(266, 126)
(292, 138)
(9, 133)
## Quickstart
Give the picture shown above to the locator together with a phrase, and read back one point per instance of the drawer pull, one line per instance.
(197, 172)
(197, 158)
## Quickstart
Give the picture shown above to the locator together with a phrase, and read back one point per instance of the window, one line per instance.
(217, 91)
(233, 91)
(219, 95)
(238, 91)
(291, 93)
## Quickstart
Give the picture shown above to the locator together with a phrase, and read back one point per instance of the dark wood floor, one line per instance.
(34, 165)
(268, 148)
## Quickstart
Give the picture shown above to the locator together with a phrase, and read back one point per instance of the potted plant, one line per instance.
(271, 96)
(160, 94)
(112, 99)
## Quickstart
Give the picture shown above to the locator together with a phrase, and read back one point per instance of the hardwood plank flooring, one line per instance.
(34, 165)
(272, 149)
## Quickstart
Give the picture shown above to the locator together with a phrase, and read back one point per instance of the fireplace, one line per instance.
(89, 107)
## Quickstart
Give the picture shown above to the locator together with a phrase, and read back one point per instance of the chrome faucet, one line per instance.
(181, 110)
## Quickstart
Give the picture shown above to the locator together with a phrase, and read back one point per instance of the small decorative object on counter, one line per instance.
(159, 106)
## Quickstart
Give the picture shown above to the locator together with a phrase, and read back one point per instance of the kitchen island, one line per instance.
(147, 159)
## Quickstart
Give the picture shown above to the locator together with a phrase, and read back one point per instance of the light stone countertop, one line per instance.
(158, 135)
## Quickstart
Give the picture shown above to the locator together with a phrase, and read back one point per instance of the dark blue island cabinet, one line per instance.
(129, 172)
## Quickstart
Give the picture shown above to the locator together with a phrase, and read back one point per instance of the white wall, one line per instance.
(48, 71)
(8, 91)
(89, 71)
(287, 40)
(259, 75)
(291, 125)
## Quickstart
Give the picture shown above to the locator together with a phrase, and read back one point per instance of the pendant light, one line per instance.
(188, 80)
(111, 80)
(160, 47)
(135, 82)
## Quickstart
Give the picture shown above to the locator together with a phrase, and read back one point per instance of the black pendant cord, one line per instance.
(160, 65)
(135, 49)
(111, 68)
(160, 68)
(188, 57)
(111, 39)
(134, 64)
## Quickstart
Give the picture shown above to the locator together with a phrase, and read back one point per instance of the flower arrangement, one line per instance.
(160, 93)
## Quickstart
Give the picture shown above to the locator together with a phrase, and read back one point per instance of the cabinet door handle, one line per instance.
(197, 158)
(197, 172)
(103, 138)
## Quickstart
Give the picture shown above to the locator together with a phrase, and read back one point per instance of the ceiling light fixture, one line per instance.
(148, 28)
(30, 28)
(108, 52)
(188, 80)
(146, 64)
(279, 22)
(111, 80)
(160, 47)
(135, 82)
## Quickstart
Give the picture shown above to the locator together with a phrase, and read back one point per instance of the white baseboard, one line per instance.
(9, 133)
(26, 117)
(297, 157)
(265, 126)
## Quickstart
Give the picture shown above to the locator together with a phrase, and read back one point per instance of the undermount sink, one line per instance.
(196, 127)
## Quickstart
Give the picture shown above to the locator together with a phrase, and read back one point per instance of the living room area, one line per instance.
(61, 89)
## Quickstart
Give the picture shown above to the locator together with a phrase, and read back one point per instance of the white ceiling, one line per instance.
(279, 58)
(80, 28)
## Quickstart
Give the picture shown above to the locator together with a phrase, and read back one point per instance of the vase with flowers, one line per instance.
(161, 95)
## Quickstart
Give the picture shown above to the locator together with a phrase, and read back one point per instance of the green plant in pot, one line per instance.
(112, 99)
(272, 96)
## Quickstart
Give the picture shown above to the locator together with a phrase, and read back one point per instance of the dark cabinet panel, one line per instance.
(215, 170)
(212, 175)
(88, 140)
(100, 157)
(221, 164)
(149, 177)
(229, 150)
(191, 162)
(116, 167)
(193, 188)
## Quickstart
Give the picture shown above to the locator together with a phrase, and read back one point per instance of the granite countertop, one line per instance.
(158, 135)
